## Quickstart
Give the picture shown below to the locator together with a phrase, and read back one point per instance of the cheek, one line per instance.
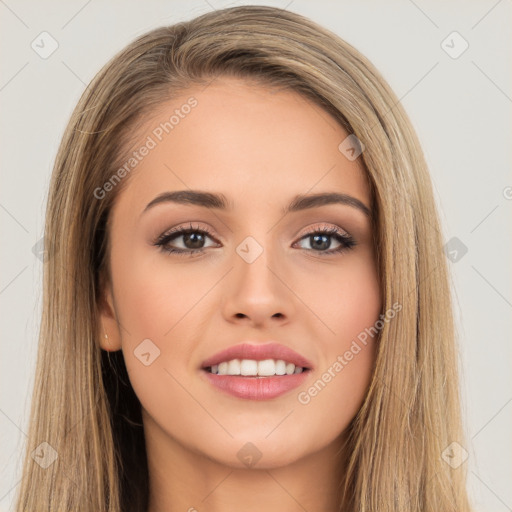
(359, 308)
(357, 301)
(344, 299)
(337, 393)
(162, 302)
(349, 304)
(154, 295)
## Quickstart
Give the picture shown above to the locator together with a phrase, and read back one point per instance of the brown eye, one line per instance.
(187, 240)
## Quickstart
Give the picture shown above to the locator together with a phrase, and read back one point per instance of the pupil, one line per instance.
(319, 243)
(194, 238)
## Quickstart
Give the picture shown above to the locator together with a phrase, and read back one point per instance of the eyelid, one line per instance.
(321, 226)
(183, 228)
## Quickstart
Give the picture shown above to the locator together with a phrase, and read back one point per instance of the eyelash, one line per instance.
(347, 242)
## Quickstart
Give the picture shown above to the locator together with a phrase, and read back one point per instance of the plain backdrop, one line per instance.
(458, 99)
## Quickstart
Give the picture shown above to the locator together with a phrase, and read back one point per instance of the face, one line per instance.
(250, 272)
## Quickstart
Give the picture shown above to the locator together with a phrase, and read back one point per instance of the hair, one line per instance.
(83, 405)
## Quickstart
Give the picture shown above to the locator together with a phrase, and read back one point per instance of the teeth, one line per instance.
(266, 367)
(234, 367)
(248, 367)
(252, 368)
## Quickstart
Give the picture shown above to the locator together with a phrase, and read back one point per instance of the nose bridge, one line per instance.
(256, 287)
(254, 264)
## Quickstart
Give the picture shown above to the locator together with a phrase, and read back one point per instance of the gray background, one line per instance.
(460, 108)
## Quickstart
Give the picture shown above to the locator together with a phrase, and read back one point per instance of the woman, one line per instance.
(245, 291)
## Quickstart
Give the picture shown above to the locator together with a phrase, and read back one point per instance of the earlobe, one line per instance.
(109, 344)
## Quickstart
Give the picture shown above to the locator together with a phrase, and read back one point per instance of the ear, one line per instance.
(109, 324)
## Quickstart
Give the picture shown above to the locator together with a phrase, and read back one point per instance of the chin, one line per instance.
(255, 452)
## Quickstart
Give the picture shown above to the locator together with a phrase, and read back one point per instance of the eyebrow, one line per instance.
(220, 202)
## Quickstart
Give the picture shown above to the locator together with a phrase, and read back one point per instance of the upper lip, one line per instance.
(258, 352)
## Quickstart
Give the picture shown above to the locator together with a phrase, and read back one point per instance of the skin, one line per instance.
(259, 148)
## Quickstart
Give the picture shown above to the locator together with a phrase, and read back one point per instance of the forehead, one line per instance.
(247, 141)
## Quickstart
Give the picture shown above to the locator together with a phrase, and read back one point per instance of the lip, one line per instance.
(258, 352)
(256, 388)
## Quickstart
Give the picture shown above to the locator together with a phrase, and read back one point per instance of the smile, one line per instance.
(253, 368)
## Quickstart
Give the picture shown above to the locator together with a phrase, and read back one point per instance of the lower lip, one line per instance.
(255, 388)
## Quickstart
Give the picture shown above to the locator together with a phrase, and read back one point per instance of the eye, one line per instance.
(320, 239)
(193, 240)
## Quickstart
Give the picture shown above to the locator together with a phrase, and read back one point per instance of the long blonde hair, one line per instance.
(83, 405)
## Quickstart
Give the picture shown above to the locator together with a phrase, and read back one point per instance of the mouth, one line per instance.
(256, 371)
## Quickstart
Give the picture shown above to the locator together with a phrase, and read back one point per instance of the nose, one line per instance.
(257, 293)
